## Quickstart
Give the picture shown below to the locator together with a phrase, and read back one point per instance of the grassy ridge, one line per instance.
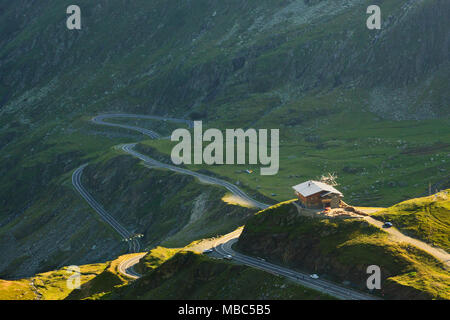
(192, 276)
(168, 274)
(341, 250)
(104, 282)
(16, 290)
(426, 218)
(50, 285)
(155, 257)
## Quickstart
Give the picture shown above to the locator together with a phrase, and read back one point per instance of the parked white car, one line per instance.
(314, 276)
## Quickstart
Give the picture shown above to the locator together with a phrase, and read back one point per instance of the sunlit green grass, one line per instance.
(348, 246)
(52, 285)
(426, 218)
(379, 165)
(187, 275)
(16, 290)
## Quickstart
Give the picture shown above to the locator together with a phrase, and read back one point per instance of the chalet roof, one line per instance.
(311, 187)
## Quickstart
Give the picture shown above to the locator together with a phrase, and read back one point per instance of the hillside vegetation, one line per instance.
(165, 207)
(16, 290)
(370, 105)
(191, 276)
(426, 218)
(341, 250)
(168, 274)
(380, 165)
(51, 285)
(337, 249)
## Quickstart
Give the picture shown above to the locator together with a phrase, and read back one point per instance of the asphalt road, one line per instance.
(129, 148)
(126, 266)
(100, 119)
(224, 248)
(133, 245)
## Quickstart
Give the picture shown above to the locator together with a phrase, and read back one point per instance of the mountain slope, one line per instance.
(341, 250)
(177, 274)
(61, 229)
(425, 218)
(195, 277)
(370, 105)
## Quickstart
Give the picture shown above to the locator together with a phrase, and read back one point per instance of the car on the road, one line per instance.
(314, 276)
(387, 225)
(228, 257)
(208, 251)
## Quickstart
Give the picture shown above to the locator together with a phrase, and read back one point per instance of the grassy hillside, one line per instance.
(169, 274)
(380, 165)
(96, 280)
(341, 250)
(369, 105)
(192, 276)
(164, 206)
(155, 257)
(16, 290)
(426, 218)
(103, 282)
(50, 285)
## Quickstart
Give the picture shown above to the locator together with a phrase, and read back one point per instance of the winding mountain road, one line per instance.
(133, 243)
(223, 246)
(126, 266)
(100, 119)
(128, 148)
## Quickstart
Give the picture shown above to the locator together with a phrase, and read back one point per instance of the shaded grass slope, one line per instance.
(341, 250)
